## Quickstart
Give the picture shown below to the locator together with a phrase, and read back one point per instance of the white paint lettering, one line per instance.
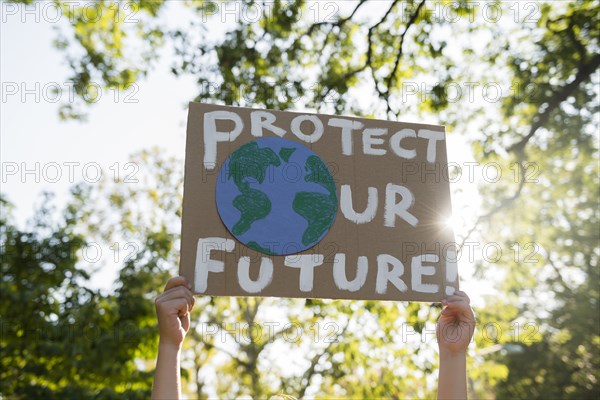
(348, 209)
(204, 264)
(397, 148)
(432, 137)
(370, 139)
(212, 136)
(418, 270)
(347, 126)
(262, 120)
(393, 209)
(307, 263)
(339, 273)
(385, 275)
(265, 274)
(317, 128)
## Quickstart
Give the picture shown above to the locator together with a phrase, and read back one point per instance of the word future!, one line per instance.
(307, 263)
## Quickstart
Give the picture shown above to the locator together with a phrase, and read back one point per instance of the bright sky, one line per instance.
(32, 132)
(33, 138)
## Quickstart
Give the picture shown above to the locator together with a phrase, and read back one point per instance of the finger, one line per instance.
(460, 309)
(458, 305)
(454, 299)
(463, 294)
(176, 281)
(451, 300)
(178, 306)
(185, 322)
(178, 292)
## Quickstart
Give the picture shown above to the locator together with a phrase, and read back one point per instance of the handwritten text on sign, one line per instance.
(387, 241)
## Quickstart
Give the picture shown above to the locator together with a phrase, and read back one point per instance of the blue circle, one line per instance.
(276, 196)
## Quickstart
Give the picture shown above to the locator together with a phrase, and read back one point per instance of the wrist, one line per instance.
(168, 347)
(453, 355)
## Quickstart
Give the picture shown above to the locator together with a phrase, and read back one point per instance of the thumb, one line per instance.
(185, 322)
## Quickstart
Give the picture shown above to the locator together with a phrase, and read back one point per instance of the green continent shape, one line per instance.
(316, 208)
(250, 161)
(318, 173)
(286, 152)
(258, 247)
(254, 205)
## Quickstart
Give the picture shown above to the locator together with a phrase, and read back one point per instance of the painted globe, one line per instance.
(276, 196)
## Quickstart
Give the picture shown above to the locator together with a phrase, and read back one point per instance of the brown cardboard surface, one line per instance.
(427, 181)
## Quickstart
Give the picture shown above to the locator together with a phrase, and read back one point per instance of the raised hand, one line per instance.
(173, 308)
(456, 324)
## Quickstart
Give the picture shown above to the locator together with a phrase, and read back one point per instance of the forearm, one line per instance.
(167, 381)
(452, 383)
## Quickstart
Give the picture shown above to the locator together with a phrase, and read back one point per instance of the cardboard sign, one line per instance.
(317, 206)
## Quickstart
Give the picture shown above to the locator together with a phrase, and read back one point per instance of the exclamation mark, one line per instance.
(451, 271)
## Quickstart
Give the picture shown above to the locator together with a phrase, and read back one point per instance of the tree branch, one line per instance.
(561, 279)
(411, 21)
(250, 311)
(310, 372)
(503, 204)
(338, 23)
(586, 70)
(368, 62)
(275, 336)
(211, 346)
(344, 20)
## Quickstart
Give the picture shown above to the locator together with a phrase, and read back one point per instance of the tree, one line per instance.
(553, 208)
(61, 339)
